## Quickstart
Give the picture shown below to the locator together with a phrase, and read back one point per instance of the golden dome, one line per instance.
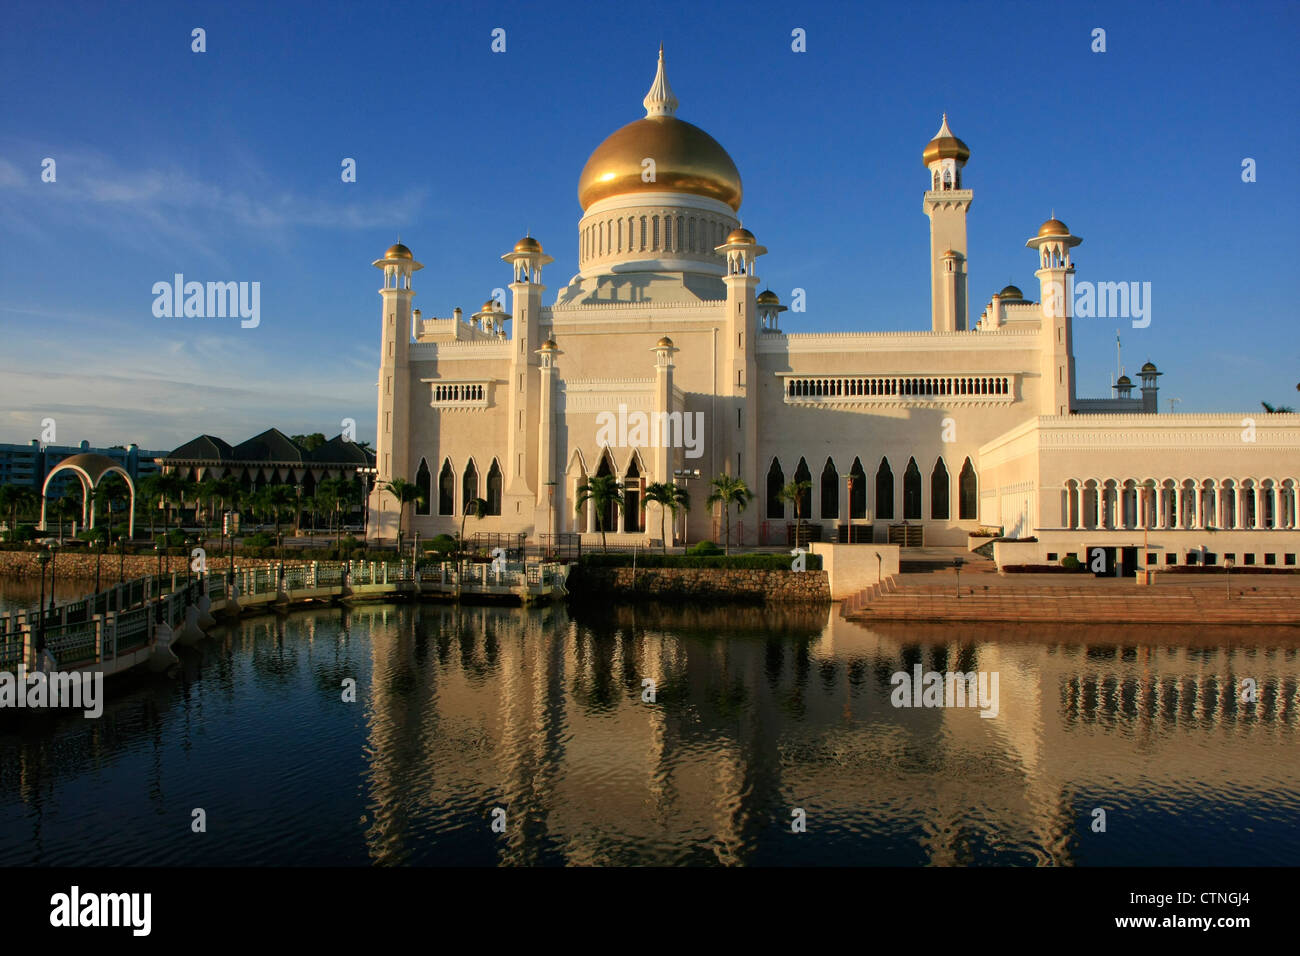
(687, 160)
(1011, 292)
(1124, 380)
(1149, 367)
(945, 146)
(398, 251)
(740, 234)
(665, 343)
(550, 344)
(528, 244)
(768, 297)
(490, 305)
(1053, 227)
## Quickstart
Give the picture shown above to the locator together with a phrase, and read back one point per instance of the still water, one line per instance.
(539, 716)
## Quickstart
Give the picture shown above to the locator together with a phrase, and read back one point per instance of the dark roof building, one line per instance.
(271, 457)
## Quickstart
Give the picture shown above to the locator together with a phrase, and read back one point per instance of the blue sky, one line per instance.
(225, 166)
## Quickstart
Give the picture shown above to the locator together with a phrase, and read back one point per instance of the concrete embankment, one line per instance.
(700, 584)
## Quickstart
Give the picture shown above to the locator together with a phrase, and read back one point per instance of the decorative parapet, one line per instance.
(900, 389)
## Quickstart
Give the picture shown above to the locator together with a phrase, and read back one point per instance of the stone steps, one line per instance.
(1029, 603)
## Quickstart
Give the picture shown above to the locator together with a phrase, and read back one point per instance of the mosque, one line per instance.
(918, 437)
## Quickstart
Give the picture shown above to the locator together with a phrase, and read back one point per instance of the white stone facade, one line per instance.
(961, 426)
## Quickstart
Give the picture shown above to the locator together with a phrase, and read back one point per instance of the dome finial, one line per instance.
(660, 101)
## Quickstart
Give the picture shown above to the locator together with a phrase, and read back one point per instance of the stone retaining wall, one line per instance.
(714, 584)
(80, 565)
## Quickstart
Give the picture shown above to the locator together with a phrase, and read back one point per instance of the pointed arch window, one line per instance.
(446, 489)
(939, 504)
(912, 492)
(858, 497)
(424, 483)
(802, 474)
(494, 489)
(469, 486)
(775, 482)
(885, 490)
(967, 507)
(830, 490)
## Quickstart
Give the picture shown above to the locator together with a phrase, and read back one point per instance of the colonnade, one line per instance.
(1135, 504)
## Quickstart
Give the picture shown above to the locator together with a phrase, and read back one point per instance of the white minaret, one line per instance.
(519, 495)
(392, 453)
(735, 442)
(1055, 338)
(946, 203)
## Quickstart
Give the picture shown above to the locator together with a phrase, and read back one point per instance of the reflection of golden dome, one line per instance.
(945, 146)
(398, 251)
(686, 160)
(768, 297)
(740, 234)
(1053, 227)
(665, 343)
(528, 244)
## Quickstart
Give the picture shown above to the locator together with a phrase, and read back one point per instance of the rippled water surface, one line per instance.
(540, 713)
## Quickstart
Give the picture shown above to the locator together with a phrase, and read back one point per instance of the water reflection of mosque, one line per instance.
(545, 715)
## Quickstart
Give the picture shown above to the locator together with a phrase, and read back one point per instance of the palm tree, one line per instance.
(150, 495)
(728, 491)
(13, 498)
(280, 498)
(669, 496)
(227, 491)
(169, 487)
(405, 492)
(1278, 409)
(477, 507)
(106, 493)
(65, 507)
(601, 491)
(795, 492)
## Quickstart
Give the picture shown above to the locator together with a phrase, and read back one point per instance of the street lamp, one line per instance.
(367, 474)
(1227, 577)
(848, 480)
(44, 558)
(956, 566)
(54, 553)
(685, 474)
(157, 547)
(100, 545)
(121, 559)
(550, 513)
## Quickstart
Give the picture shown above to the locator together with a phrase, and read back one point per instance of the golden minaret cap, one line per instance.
(660, 101)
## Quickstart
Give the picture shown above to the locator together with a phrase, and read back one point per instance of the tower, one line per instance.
(1055, 337)
(392, 452)
(736, 443)
(1150, 391)
(544, 514)
(518, 495)
(946, 203)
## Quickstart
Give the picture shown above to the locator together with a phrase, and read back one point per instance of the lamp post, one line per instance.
(54, 553)
(1227, 577)
(44, 558)
(157, 547)
(848, 481)
(121, 559)
(956, 566)
(100, 545)
(685, 474)
(550, 514)
(367, 474)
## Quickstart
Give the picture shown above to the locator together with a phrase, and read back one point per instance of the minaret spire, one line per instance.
(660, 101)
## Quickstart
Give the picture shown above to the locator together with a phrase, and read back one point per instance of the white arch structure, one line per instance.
(90, 470)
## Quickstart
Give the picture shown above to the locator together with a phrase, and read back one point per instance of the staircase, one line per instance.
(1097, 601)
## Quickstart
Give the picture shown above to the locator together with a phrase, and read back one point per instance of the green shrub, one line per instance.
(735, 562)
(704, 547)
(1070, 563)
(443, 544)
(23, 532)
(259, 540)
